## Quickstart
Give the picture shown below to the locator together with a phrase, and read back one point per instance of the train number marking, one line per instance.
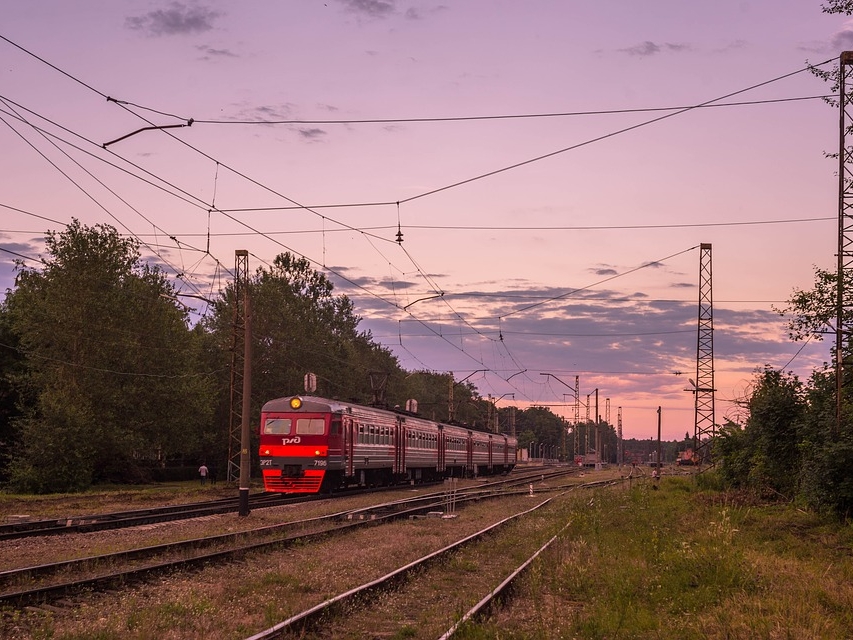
(319, 463)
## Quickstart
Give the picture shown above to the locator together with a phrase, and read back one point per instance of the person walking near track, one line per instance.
(202, 471)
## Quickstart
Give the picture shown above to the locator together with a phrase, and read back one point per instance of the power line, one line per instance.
(423, 194)
(19, 255)
(120, 103)
(97, 202)
(511, 116)
(50, 137)
(595, 284)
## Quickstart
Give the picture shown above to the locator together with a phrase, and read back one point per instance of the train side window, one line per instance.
(310, 426)
(361, 433)
(277, 426)
(335, 428)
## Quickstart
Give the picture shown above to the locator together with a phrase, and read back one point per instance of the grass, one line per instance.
(107, 498)
(683, 562)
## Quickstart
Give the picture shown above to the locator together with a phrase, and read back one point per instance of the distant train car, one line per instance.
(310, 444)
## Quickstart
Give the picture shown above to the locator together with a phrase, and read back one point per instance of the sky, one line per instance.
(515, 193)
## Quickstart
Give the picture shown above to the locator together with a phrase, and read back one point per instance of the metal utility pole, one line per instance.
(238, 354)
(245, 433)
(844, 304)
(658, 461)
(704, 388)
(597, 431)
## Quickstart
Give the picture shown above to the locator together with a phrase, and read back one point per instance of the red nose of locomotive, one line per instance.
(294, 446)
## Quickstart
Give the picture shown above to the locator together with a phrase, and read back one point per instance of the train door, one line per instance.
(442, 453)
(490, 461)
(336, 451)
(400, 447)
(349, 443)
(469, 454)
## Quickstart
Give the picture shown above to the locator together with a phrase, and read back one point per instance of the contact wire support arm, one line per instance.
(188, 123)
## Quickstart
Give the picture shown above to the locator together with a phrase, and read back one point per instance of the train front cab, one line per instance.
(300, 450)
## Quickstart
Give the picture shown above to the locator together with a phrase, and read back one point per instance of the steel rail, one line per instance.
(310, 617)
(122, 519)
(341, 522)
(480, 607)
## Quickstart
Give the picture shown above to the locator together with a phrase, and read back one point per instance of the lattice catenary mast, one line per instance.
(238, 345)
(704, 385)
(619, 450)
(844, 301)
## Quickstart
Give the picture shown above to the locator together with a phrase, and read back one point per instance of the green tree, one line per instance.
(838, 6)
(545, 424)
(299, 326)
(12, 391)
(766, 453)
(110, 360)
(432, 390)
(827, 455)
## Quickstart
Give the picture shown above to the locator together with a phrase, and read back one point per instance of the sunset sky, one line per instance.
(552, 166)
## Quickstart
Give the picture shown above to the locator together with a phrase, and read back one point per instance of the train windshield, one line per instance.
(310, 426)
(303, 426)
(278, 426)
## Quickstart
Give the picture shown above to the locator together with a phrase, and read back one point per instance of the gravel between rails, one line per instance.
(236, 600)
(433, 600)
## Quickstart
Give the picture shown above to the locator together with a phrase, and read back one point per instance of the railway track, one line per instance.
(408, 593)
(121, 519)
(36, 585)
(104, 586)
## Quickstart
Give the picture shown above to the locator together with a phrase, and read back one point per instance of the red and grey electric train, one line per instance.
(311, 444)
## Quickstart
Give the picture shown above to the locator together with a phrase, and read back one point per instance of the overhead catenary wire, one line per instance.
(466, 181)
(52, 138)
(97, 202)
(595, 284)
(258, 184)
(506, 116)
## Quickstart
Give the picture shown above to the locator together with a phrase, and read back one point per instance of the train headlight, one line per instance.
(295, 403)
(266, 452)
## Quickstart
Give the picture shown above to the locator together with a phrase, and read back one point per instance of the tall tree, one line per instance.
(299, 325)
(766, 453)
(12, 392)
(110, 359)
